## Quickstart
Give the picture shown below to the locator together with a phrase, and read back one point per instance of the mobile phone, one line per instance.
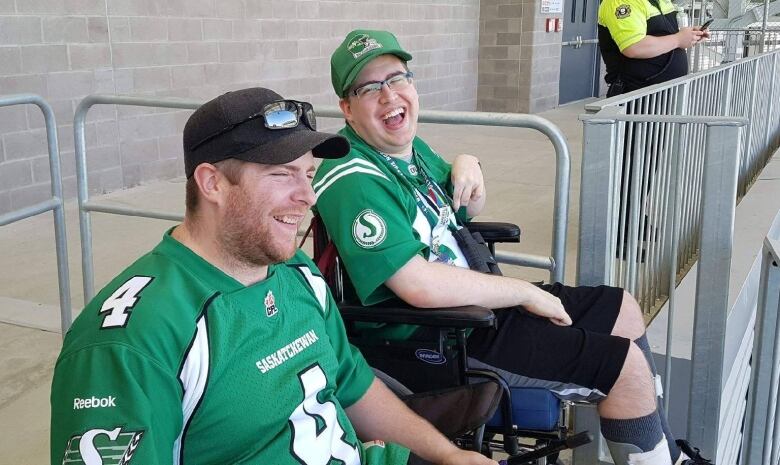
(706, 24)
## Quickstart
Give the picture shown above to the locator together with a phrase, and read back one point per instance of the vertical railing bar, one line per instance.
(772, 86)
(717, 226)
(658, 212)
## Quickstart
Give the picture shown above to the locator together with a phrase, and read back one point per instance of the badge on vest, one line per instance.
(623, 11)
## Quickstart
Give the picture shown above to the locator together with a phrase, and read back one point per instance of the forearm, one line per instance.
(425, 284)
(652, 46)
(379, 414)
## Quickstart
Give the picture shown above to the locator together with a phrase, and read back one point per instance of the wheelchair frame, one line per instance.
(452, 325)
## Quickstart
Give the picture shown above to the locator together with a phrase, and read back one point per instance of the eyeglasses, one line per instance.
(282, 114)
(373, 89)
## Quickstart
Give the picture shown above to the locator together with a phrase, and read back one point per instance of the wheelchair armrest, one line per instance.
(469, 316)
(493, 231)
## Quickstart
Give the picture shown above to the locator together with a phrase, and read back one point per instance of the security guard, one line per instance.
(642, 44)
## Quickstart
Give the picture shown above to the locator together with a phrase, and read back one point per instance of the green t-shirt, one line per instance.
(375, 215)
(176, 362)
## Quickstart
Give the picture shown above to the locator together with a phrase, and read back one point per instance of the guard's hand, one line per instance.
(544, 304)
(687, 37)
(467, 181)
(705, 33)
(467, 457)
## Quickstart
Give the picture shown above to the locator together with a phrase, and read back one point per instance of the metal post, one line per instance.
(770, 106)
(762, 47)
(55, 203)
(85, 222)
(555, 263)
(602, 142)
(762, 397)
(675, 199)
(712, 284)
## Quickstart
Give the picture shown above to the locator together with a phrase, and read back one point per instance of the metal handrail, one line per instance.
(598, 105)
(555, 263)
(55, 203)
(601, 173)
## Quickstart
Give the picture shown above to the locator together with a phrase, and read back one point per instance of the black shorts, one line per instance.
(578, 362)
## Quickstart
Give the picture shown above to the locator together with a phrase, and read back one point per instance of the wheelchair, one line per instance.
(437, 360)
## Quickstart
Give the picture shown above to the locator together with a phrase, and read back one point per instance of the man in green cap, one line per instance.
(394, 209)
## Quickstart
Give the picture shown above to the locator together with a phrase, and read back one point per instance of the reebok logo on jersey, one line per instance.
(270, 305)
(94, 402)
(369, 229)
(287, 352)
(102, 447)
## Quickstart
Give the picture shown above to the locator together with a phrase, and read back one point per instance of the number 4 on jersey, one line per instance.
(117, 306)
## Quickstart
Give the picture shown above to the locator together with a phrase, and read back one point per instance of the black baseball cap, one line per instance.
(231, 126)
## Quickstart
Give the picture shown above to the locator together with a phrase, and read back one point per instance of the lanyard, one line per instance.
(435, 206)
(435, 201)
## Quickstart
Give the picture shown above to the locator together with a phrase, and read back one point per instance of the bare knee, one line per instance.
(630, 323)
(633, 394)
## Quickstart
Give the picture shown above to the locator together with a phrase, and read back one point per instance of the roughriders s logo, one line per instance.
(361, 44)
(102, 447)
(270, 305)
(369, 229)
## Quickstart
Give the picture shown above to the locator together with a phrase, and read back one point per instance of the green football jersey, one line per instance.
(175, 362)
(373, 213)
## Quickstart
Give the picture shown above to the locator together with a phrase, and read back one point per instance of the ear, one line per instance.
(346, 108)
(211, 183)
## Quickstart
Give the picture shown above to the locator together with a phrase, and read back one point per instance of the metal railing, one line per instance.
(54, 203)
(762, 425)
(729, 45)
(554, 262)
(745, 89)
(716, 180)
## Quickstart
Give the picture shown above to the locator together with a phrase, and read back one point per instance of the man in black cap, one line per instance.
(223, 344)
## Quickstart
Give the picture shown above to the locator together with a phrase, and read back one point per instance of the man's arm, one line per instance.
(434, 285)
(468, 185)
(652, 46)
(379, 414)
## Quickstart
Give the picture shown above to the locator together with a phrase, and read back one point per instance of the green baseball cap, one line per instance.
(360, 47)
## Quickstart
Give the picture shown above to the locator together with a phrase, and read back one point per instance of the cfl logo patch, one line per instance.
(102, 447)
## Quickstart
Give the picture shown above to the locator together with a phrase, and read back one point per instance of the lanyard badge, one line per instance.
(435, 206)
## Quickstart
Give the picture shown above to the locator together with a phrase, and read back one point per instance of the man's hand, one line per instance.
(467, 457)
(689, 36)
(467, 181)
(544, 304)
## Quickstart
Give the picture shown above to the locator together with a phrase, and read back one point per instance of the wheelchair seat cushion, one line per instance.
(532, 409)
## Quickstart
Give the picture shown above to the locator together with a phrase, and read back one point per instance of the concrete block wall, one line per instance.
(519, 62)
(64, 50)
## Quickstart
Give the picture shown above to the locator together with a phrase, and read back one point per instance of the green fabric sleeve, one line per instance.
(626, 21)
(109, 397)
(370, 264)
